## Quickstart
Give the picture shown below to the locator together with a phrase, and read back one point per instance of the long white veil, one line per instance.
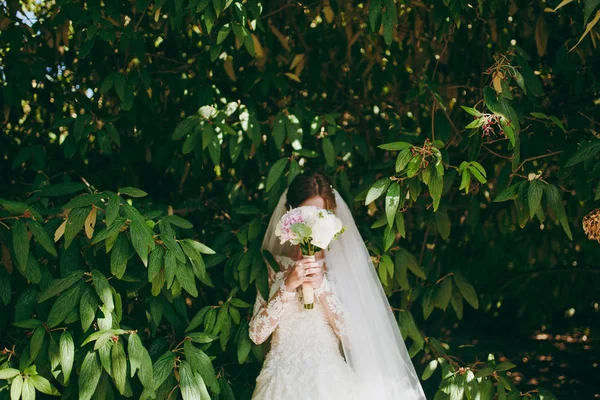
(373, 345)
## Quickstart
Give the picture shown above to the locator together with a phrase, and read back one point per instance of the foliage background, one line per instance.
(209, 108)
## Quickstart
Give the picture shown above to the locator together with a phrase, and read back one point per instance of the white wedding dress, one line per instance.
(305, 361)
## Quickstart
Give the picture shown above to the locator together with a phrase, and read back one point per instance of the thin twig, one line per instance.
(545, 271)
(423, 245)
(287, 6)
(433, 122)
(442, 53)
(589, 119)
(496, 154)
(537, 158)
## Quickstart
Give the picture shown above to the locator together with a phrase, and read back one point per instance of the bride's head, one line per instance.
(311, 190)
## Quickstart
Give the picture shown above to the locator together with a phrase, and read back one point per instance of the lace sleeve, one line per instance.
(333, 308)
(267, 314)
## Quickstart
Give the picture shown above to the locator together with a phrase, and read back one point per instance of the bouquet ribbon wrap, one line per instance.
(307, 289)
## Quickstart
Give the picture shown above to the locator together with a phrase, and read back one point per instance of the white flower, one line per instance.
(323, 226)
(325, 229)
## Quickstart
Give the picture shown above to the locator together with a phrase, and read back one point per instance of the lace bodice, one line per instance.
(305, 361)
(284, 316)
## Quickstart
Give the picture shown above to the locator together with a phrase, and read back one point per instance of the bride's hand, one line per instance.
(304, 271)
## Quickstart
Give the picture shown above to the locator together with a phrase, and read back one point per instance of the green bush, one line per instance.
(145, 143)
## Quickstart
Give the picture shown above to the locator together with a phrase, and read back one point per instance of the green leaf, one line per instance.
(112, 209)
(279, 130)
(444, 294)
(5, 286)
(42, 237)
(429, 370)
(240, 303)
(156, 262)
(505, 366)
(378, 189)
(392, 200)
(478, 172)
(403, 159)
(389, 236)
(414, 166)
(223, 33)
(294, 171)
(67, 354)
(118, 256)
(108, 82)
(163, 367)
(16, 387)
(244, 344)
(8, 373)
(89, 376)
(276, 172)
(457, 304)
(187, 382)
(329, 151)
(510, 193)
(482, 373)
(174, 249)
(436, 185)
(476, 123)
(191, 142)
(35, 344)
(43, 385)
(200, 363)
(75, 222)
(185, 277)
(398, 146)
(63, 305)
(59, 285)
(141, 235)
(471, 111)
(132, 192)
(140, 360)
(558, 208)
(108, 233)
(534, 196)
(103, 289)
(198, 318)
(467, 290)
(185, 126)
(465, 180)
(190, 250)
(400, 224)
(374, 15)
(83, 200)
(87, 308)
(178, 221)
(202, 337)
(28, 323)
(20, 243)
(428, 302)
(443, 222)
(585, 152)
(14, 207)
(590, 6)
(28, 390)
(407, 258)
(119, 366)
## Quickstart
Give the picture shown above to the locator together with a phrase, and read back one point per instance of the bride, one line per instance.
(348, 346)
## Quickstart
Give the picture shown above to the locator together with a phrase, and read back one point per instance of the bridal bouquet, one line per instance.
(313, 229)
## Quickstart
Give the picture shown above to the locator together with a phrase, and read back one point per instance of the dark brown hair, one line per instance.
(304, 187)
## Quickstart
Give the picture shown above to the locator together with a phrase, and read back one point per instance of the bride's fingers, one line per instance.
(312, 271)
